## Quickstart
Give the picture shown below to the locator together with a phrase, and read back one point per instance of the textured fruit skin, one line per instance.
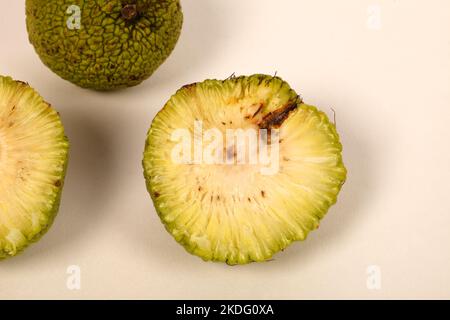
(112, 49)
(55, 204)
(151, 161)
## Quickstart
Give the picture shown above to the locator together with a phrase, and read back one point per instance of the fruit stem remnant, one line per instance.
(129, 11)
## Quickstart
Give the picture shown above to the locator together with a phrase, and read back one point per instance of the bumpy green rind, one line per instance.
(106, 51)
(55, 207)
(256, 78)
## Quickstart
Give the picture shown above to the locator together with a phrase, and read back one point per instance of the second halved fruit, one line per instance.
(225, 201)
(33, 159)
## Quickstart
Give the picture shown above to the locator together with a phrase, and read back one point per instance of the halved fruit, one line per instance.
(240, 202)
(33, 159)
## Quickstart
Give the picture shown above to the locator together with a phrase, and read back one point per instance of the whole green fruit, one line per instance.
(104, 44)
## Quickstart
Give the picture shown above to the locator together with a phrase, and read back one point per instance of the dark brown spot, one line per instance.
(218, 198)
(263, 193)
(257, 111)
(276, 118)
(156, 194)
(249, 200)
(199, 188)
(129, 12)
(190, 86)
(223, 123)
(58, 183)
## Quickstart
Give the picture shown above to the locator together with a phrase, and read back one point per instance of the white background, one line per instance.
(389, 83)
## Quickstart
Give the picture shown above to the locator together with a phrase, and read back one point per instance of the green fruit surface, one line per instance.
(233, 212)
(33, 162)
(104, 44)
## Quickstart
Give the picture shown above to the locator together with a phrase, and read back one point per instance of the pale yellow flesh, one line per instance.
(33, 157)
(233, 213)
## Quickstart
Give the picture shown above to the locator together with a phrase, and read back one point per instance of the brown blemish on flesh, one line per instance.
(251, 116)
(259, 109)
(263, 193)
(58, 183)
(276, 118)
(156, 194)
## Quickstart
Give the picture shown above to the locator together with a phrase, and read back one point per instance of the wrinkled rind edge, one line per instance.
(57, 201)
(261, 77)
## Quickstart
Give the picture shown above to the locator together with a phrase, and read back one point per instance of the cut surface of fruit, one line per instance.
(241, 206)
(33, 159)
